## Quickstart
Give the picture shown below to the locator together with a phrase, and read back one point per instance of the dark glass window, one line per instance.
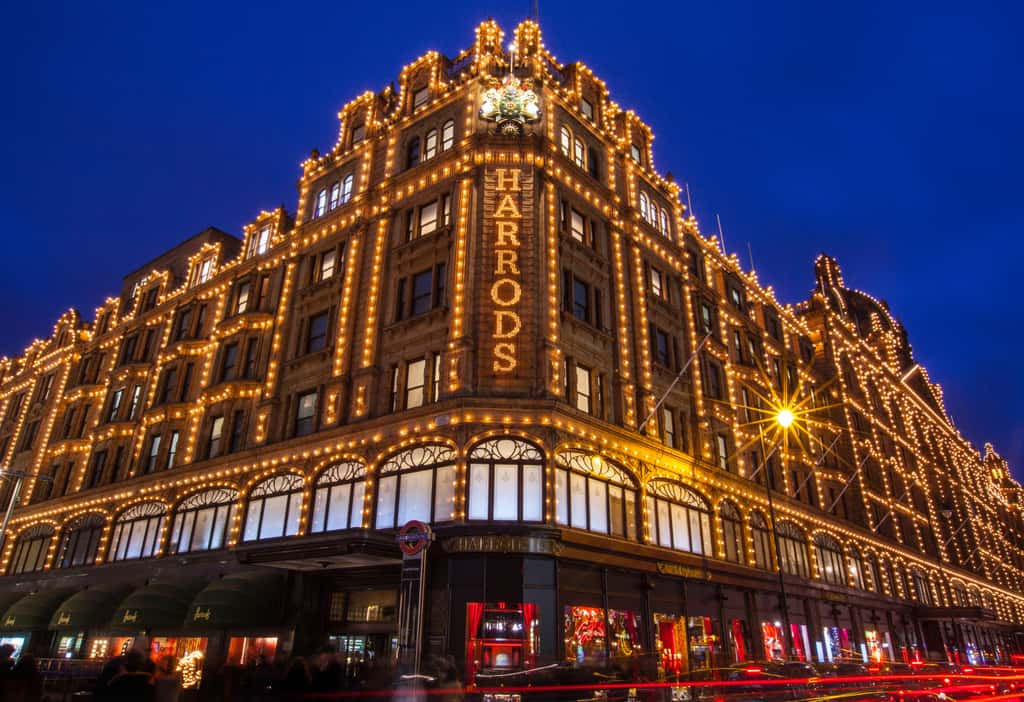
(316, 336)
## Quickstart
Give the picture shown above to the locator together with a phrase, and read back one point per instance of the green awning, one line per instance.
(33, 612)
(9, 598)
(89, 609)
(159, 605)
(239, 600)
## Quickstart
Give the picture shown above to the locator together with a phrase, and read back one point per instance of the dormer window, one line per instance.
(261, 241)
(358, 133)
(587, 108)
(420, 97)
(634, 153)
(205, 270)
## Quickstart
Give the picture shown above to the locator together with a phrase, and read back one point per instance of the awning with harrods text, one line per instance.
(90, 608)
(159, 605)
(239, 600)
(32, 612)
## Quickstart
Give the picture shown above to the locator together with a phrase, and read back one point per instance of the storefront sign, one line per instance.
(130, 616)
(509, 275)
(683, 571)
(64, 618)
(834, 597)
(201, 614)
(9, 621)
(413, 537)
(502, 544)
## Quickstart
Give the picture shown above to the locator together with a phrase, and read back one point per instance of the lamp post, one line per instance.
(784, 419)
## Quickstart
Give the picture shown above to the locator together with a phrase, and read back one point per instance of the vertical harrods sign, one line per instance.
(509, 274)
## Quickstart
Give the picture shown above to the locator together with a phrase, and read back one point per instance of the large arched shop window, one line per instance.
(275, 506)
(506, 481)
(922, 585)
(679, 518)
(793, 549)
(202, 520)
(338, 498)
(80, 540)
(863, 570)
(30, 553)
(137, 532)
(759, 534)
(594, 494)
(418, 483)
(829, 554)
(959, 592)
(732, 531)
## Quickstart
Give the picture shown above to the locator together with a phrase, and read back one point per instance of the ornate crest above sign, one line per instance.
(511, 103)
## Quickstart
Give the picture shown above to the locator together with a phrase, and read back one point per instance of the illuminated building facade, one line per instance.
(490, 313)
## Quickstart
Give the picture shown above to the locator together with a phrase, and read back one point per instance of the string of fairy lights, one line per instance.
(934, 456)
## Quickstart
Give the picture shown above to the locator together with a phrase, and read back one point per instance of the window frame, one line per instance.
(497, 455)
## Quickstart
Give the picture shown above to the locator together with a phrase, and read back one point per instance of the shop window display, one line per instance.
(500, 638)
(188, 655)
(591, 637)
(246, 650)
(774, 640)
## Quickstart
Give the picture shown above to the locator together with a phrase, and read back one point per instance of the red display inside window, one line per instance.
(500, 637)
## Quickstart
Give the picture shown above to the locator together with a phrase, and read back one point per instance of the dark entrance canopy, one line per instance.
(33, 612)
(239, 600)
(159, 605)
(90, 608)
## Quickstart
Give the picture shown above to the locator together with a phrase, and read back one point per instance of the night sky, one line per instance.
(887, 134)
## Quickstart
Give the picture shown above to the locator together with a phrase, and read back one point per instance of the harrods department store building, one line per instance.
(491, 313)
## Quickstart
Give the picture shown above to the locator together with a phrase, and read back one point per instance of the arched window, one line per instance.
(664, 222)
(869, 569)
(829, 555)
(274, 508)
(732, 531)
(137, 532)
(579, 153)
(430, 145)
(594, 494)
(335, 195)
(202, 520)
(679, 518)
(959, 595)
(412, 153)
(346, 189)
(448, 135)
(974, 597)
(856, 567)
(80, 540)
(566, 141)
(793, 549)
(643, 205)
(506, 481)
(321, 203)
(338, 498)
(30, 553)
(416, 484)
(762, 541)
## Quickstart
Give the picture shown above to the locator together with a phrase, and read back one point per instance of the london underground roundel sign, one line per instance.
(413, 537)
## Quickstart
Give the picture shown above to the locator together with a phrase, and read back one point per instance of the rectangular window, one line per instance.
(251, 355)
(634, 153)
(128, 351)
(358, 133)
(172, 449)
(657, 284)
(213, 447)
(707, 319)
(29, 437)
(430, 144)
(428, 219)
(578, 227)
(316, 335)
(205, 270)
(415, 383)
(327, 265)
(722, 447)
(580, 300)
(422, 288)
(420, 97)
(242, 297)
(579, 153)
(587, 108)
(186, 382)
(154, 452)
(228, 362)
(115, 404)
(446, 210)
(95, 476)
(662, 353)
(668, 427)
(181, 329)
(44, 388)
(305, 413)
(261, 242)
(714, 381)
(133, 407)
(237, 441)
(583, 398)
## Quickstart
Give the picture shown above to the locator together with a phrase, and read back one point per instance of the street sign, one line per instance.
(413, 537)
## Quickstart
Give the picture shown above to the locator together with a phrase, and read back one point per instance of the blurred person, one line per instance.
(298, 679)
(25, 682)
(133, 683)
(166, 681)
(327, 677)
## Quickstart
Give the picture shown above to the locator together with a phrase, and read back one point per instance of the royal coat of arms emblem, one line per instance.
(511, 103)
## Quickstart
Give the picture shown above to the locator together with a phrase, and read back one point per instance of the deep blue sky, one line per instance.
(888, 134)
